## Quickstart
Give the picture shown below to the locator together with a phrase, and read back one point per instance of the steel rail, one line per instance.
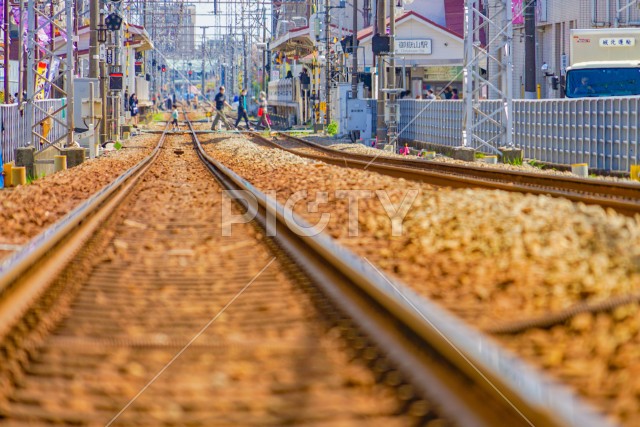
(470, 378)
(28, 272)
(620, 196)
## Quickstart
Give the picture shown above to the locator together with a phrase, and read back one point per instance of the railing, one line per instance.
(14, 131)
(602, 132)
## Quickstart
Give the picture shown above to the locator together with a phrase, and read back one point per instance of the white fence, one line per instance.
(16, 134)
(602, 132)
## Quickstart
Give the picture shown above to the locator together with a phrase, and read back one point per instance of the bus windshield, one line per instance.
(598, 82)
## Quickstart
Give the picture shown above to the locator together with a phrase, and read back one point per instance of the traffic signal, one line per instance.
(347, 44)
(380, 44)
(555, 82)
(115, 81)
(190, 73)
(164, 68)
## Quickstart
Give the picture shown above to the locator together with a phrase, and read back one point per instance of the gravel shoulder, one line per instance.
(27, 210)
(490, 257)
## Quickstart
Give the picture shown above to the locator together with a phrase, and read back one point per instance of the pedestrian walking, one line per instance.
(431, 95)
(174, 118)
(242, 109)
(454, 94)
(448, 92)
(220, 102)
(263, 117)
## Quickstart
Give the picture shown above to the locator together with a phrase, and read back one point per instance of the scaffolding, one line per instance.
(49, 54)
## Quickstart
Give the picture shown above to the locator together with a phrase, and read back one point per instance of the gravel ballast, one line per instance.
(491, 257)
(27, 210)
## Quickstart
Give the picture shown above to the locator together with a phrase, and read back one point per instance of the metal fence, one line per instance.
(15, 132)
(602, 132)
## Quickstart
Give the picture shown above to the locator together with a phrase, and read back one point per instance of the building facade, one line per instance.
(554, 21)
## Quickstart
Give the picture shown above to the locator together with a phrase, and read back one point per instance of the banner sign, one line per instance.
(517, 11)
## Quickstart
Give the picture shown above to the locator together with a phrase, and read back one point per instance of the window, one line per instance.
(603, 82)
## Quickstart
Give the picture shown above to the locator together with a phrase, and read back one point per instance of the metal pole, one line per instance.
(246, 67)
(31, 75)
(530, 50)
(20, 57)
(354, 52)
(7, 90)
(381, 25)
(391, 81)
(467, 133)
(204, 37)
(69, 5)
(327, 68)
(265, 51)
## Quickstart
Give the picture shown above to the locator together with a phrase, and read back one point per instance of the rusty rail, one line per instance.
(621, 196)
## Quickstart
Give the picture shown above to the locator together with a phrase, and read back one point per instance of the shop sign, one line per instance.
(414, 46)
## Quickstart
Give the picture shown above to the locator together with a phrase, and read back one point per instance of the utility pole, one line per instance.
(354, 52)
(530, 91)
(103, 93)
(381, 27)
(117, 95)
(327, 68)
(94, 56)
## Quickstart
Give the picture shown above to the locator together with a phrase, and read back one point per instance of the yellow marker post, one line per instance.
(19, 175)
(6, 168)
(60, 163)
(539, 91)
(635, 172)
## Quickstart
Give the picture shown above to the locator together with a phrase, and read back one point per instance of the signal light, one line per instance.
(164, 68)
(113, 22)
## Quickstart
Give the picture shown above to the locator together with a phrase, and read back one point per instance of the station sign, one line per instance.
(109, 56)
(413, 47)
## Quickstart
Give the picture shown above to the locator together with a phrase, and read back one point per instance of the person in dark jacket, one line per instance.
(220, 102)
(133, 108)
(242, 109)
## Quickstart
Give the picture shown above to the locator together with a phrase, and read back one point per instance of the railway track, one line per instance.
(105, 320)
(622, 197)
